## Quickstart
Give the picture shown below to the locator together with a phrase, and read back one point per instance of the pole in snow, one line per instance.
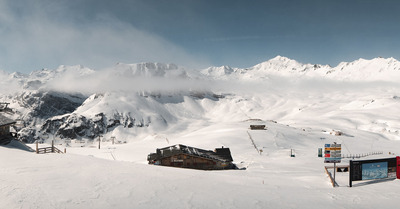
(334, 174)
(334, 171)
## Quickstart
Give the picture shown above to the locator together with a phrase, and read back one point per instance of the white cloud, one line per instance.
(37, 38)
(109, 80)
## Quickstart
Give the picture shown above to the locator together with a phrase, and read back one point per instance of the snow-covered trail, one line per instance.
(83, 179)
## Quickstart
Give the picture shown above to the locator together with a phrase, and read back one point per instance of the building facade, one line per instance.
(5, 124)
(189, 157)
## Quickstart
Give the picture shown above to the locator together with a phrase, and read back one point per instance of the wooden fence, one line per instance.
(361, 155)
(51, 149)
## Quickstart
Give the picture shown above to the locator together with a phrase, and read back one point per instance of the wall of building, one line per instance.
(4, 130)
(187, 161)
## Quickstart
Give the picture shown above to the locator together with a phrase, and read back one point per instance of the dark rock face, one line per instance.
(44, 105)
(49, 104)
(53, 114)
(74, 126)
(44, 111)
(65, 127)
(27, 135)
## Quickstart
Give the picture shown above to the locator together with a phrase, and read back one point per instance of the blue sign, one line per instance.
(333, 153)
(377, 170)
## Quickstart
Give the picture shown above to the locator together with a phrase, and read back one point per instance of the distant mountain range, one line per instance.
(387, 69)
(80, 103)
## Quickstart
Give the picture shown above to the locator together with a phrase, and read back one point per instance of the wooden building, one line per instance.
(189, 157)
(5, 135)
(257, 127)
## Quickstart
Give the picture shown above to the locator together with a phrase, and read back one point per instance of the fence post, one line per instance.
(52, 146)
(65, 150)
(37, 147)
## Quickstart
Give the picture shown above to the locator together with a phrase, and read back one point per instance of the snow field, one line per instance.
(299, 114)
(82, 179)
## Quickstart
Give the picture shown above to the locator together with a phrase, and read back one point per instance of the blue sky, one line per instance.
(194, 33)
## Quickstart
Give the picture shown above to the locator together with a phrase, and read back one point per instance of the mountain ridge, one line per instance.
(78, 102)
(360, 69)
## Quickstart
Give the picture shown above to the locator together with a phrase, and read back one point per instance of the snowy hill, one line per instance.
(284, 66)
(375, 69)
(154, 105)
(378, 69)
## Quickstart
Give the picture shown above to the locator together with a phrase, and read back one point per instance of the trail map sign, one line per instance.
(377, 170)
(333, 153)
(373, 169)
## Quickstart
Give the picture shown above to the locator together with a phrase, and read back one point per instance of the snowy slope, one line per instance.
(122, 179)
(150, 105)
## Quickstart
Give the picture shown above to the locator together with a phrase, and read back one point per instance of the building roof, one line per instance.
(224, 153)
(221, 154)
(5, 121)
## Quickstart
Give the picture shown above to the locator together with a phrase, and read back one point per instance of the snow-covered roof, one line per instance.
(221, 154)
(5, 121)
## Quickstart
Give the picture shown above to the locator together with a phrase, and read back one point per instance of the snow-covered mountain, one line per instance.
(78, 102)
(359, 70)
(154, 105)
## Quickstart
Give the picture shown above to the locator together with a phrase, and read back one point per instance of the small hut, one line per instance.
(5, 135)
(257, 127)
(189, 157)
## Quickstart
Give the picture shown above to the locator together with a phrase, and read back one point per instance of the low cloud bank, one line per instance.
(108, 81)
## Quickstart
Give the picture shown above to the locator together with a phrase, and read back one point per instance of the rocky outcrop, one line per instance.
(75, 126)
(38, 106)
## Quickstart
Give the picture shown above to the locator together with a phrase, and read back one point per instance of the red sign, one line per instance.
(333, 153)
(398, 167)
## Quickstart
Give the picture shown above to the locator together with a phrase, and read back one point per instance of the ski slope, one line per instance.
(299, 114)
(118, 176)
(87, 177)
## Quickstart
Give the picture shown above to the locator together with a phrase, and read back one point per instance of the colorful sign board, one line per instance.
(373, 169)
(333, 153)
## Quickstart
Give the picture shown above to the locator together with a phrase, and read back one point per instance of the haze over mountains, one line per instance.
(78, 102)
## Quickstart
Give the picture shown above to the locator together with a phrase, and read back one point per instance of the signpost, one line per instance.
(374, 169)
(333, 154)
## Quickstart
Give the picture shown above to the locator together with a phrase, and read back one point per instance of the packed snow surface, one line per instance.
(300, 113)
